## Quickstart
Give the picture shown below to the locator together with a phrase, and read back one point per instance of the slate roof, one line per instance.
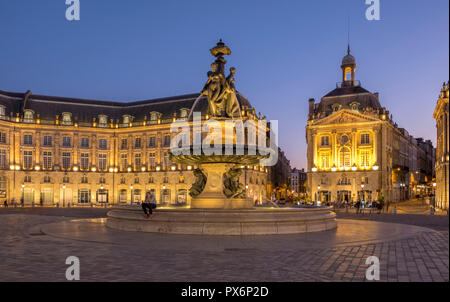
(345, 96)
(84, 110)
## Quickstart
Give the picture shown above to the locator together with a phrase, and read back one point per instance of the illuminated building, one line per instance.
(355, 149)
(63, 150)
(442, 150)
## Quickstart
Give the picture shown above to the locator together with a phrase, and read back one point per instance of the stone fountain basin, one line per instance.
(269, 221)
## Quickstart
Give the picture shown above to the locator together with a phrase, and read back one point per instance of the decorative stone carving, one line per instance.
(199, 184)
(231, 186)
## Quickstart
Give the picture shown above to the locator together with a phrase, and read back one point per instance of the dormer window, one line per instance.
(184, 113)
(67, 118)
(126, 119)
(28, 116)
(102, 121)
(154, 116)
(354, 106)
(336, 107)
(2, 111)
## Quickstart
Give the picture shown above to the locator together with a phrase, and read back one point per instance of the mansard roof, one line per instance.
(85, 110)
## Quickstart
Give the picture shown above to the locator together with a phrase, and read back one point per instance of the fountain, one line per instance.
(219, 204)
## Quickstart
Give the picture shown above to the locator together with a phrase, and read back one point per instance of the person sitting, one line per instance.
(149, 204)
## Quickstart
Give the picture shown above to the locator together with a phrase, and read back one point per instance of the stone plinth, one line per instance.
(223, 222)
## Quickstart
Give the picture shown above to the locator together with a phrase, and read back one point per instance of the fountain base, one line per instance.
(223, 221)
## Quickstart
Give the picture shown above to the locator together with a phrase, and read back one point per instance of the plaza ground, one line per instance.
(35, 242)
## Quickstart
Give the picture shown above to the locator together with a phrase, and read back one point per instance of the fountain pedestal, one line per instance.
(212, 196)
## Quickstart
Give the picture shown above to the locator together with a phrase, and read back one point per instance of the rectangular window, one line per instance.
(152, 161)
(102, 144)
(67, 141)
(152, 142)
(2, 138)
(47, 160)
(102, 162)
(365, 158)
(137, 161)
(137, 143)
(28, 140)
(84, 161)
(123, 144)
(66, 160)
(3, 163)
(325, 141)
(365, 139)
(167, 162)
(325, 161)
(123, 162)
(28, 159)
(84, 196)
(84, 142)
(167, 141)
(47, 141)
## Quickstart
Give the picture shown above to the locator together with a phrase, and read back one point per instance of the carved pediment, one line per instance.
(345, 117)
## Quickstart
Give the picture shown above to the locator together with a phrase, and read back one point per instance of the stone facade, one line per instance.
(442, 151)
(298, 181)
(67, 151)
(355, 149)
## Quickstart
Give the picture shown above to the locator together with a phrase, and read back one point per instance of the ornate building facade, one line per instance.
(355, 149)
(442, 151)
(56, 150)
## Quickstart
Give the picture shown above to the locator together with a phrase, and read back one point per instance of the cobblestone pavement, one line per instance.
(27, 254)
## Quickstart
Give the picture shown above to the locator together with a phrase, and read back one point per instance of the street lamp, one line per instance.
(64, 195)
(22, 201)
(131, 190)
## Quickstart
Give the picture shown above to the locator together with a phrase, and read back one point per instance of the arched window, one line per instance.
(28, 116)
(126, 119)
(345, 158)
(67, 118)
(154, 116)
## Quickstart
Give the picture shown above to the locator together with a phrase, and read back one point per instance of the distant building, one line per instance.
(356, 152)
(298, 181)
(279, 177)
(442, 151)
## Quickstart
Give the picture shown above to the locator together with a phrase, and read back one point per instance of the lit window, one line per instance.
(123, 161)
(325, 141)
(365, 139)
(365, 158)
(66, 160)
(2, 138)
(345, 158)
(123, 144)
(28, 140)
(84, 142)
(67, 118)
(3, 159)
(102, 162)
(28, 116)
(84, 161)
(102, 120)
(47, 160)
(28, 159)
(137, 161)
(137, 143)
(152, 142)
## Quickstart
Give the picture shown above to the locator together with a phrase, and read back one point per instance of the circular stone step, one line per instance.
(223, 222)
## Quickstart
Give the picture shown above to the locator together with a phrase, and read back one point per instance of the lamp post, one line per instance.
(131, 192)
(318, 195)
(64, 195)
(22, 200)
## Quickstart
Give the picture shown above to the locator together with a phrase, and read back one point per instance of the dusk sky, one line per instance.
(285, 52)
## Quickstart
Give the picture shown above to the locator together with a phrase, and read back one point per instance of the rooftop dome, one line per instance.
(349, 59)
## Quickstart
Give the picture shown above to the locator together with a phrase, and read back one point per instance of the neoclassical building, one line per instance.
(65, 150)
(442, 150)
(355, 149)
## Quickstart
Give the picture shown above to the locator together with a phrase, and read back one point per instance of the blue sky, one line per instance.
(285, 52)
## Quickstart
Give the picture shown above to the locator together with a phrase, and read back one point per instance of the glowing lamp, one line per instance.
(314, 169)
(354, 168)
(129, 169)
(94, 169)
(111, 170)
(37, 168)
(334, 169)
(173, 168)
(12, 167)
(189, 168)
(75, 169)
(158, 168)
(143, 169)
(17, 167)
(376, 168)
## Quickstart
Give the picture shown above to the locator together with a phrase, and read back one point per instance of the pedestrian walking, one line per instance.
(5, 203)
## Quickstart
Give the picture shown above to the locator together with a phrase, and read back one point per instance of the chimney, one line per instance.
(311, 108)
